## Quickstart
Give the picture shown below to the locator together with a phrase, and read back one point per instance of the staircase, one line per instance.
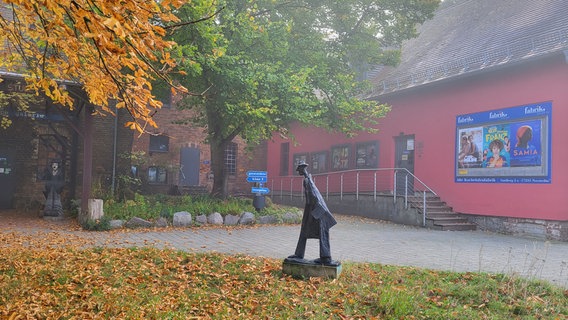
(439, 215)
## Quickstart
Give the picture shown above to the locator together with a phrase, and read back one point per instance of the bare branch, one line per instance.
(181, 24)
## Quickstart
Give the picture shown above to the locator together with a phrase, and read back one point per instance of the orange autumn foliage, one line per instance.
(114, 49)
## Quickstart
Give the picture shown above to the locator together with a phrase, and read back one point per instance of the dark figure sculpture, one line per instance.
(52, 191)
(316, 222)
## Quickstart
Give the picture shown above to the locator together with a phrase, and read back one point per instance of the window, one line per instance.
(160, 143)
(157, 175)
(367, 155)
(284, 158)
(231, 158)
(319, 162)
(340, 157)
(134, 171)
(300, 157)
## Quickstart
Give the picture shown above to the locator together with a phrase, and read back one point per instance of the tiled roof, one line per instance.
(472, 35)
(6, 13)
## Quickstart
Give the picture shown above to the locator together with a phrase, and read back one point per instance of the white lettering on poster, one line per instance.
(532, 110)
(497, 115)
(465, 119)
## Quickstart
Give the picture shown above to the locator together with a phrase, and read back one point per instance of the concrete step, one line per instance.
(429, 205)
(441, 214)
(432, 209)
(442, 217)
(447, 219)
(456, 226)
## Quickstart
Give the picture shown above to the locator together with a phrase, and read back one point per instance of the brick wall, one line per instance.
(187, 135)
(20, 139)
(23, 139)
(103, 152)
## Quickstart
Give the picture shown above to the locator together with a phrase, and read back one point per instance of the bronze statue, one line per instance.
(316, 222)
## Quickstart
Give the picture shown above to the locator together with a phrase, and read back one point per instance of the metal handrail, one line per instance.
(406, 188)
(359, 181)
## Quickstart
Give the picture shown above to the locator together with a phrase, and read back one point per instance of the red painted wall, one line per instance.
(430, 114)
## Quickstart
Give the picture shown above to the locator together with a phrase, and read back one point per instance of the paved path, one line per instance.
(359, 240)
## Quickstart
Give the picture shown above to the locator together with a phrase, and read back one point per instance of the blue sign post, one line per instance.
(260, 190)
(257, 174)
(259, 177)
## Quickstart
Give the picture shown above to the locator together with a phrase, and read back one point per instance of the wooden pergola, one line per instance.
(15, 83)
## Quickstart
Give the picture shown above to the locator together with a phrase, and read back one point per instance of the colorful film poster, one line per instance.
(526, 150)
(496, 146)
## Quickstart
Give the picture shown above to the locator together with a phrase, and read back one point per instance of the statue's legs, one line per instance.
(301, 247)
(324, 247)
(325, 250)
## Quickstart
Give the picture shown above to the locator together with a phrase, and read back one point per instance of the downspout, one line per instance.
(115, 138)
(87, 163)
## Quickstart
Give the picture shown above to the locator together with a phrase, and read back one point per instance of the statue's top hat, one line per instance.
(301, 168)
(301, 164)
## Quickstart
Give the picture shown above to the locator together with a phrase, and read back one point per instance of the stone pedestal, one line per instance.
(95, 209)
(301, 268)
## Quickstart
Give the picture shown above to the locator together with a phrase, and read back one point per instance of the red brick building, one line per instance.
(49, 133)
(176, 155)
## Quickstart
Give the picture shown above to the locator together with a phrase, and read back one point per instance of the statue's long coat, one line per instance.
(316, 214)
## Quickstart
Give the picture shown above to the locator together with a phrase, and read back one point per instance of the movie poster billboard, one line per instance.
(504, 146)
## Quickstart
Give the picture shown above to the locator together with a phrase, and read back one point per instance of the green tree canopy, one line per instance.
(260, 65)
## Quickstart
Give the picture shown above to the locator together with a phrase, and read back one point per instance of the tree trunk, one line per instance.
(220, 182)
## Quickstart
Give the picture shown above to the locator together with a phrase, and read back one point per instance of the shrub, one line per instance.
(102, 224)
(151, 207)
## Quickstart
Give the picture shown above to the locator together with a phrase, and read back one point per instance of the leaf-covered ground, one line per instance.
(70, 282)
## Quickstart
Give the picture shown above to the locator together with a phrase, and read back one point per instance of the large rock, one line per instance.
(161, 222)
(215, 218)
(231, 220)
(116, 224)
(201, 219)
(292, 217)
(247, 218)
(138, 223)
(267, 220)
(182, 219)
